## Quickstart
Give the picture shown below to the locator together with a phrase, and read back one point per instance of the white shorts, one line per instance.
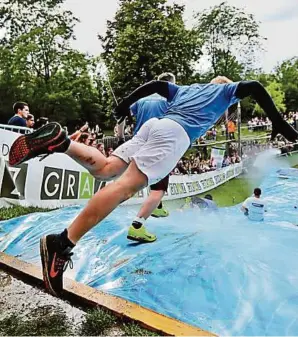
(156, 148)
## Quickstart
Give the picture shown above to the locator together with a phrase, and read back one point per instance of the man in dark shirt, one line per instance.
(21, 110)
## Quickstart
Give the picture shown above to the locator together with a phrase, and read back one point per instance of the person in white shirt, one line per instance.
(223, 129)
(254, 207)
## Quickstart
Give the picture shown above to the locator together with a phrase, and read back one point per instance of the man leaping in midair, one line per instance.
(157, 147)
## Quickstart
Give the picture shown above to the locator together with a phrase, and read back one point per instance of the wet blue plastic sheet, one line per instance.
(218, 271)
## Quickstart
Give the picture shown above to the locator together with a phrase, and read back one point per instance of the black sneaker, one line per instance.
(54, 261)
(44, 141)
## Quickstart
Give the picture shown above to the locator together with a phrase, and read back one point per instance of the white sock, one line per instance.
(140, 220)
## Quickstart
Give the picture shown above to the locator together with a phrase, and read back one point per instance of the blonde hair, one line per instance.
(220, 80)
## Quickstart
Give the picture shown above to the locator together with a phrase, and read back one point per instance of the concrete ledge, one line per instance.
(78, 293)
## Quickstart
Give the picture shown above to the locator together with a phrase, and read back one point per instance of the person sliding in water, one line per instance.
(157, 148)
(254, 207)
(204, 203)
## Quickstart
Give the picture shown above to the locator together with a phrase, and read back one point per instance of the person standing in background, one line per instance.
(21, 110)
(30, 121)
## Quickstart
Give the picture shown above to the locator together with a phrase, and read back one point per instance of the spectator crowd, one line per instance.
(199, 161)
(259, 124)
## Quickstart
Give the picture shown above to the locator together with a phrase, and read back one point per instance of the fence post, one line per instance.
(239, 129)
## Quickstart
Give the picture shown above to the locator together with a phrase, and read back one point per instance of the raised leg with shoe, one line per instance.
(46, 140)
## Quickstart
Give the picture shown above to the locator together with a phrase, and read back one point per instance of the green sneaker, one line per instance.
(160, 213)
(140, 235)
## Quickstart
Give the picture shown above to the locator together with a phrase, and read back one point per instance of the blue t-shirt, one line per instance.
(197, 107)
(147, 108)
(17, 121)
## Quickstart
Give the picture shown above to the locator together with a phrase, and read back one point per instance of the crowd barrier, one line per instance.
(108, 141)
(17, 129)
(111, 141)
(59, 181)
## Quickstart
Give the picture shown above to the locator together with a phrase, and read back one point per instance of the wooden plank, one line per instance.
(80, 293)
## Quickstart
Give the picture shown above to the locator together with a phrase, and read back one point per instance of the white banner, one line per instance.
(59, 181)
(217, 155)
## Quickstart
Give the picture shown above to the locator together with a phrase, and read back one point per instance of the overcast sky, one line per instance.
(278, 22)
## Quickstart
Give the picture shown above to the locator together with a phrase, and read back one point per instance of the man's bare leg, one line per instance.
(56, 249)
(106, 200)
(150, 204)
(95, 162)
(137, 230)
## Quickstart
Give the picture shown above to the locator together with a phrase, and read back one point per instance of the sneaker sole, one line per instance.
(159, 216)
(132, 238)
(21, 148)
(44, 261)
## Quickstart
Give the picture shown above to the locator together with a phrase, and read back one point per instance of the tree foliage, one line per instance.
(276, 92)
(287, 74)
(147, 38)
(38, 64)
(231, 39)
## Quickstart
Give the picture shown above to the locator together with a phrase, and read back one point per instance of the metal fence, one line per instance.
(107, 141)
(111, 141)
(17, 129)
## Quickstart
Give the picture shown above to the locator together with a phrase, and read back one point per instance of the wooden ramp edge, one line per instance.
(78, 293)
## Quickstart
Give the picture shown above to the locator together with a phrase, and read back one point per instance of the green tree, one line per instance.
(276, 92)
(231, 39)
(146, 38)
(38, 64)
(287, 73)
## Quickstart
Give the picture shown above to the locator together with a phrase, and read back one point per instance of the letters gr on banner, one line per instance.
(68, 184)
(51, 183)
(60, 184)
(14, 181)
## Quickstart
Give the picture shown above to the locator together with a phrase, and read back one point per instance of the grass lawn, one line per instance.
(13, 212)
(244, 134)
(96, 322)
